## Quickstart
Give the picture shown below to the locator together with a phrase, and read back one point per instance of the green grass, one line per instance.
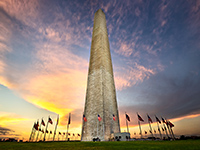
(154, 145)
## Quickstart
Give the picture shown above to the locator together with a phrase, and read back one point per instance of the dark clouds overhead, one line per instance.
(6, 132)
(170, 97)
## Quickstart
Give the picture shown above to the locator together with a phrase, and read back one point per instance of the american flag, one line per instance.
(113, 117)
(50, 121)
(128, 118)
(99, 118)
(84, 118)
(163, 120)
(157, 119)
(140, 118)
(43, 122)
(170, 124)
(149, 119)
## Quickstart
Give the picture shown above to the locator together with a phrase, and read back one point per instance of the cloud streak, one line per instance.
(5, 131)
(7, 118)
(55, 74)
(128, 77)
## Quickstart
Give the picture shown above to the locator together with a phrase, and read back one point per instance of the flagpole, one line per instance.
(127, 124)
(103, 128)
(55, 128)
(172, 134)
(140, 129)
(97, 126)
(32, 138)
(112, 126)
(83, 123)
(150, 127)
(164, 134)
(158, 121)
(166, 131)
(40, 136)
(68, 125)
(38, 131)
(169, 131)
(49, 135)
(168, 128)
(31, 133)
(159, 130)
(67, 131)
(46, 129)
(139, 126)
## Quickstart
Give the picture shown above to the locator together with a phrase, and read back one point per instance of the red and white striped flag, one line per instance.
(113, 117)
(140, 118)
(99, 118)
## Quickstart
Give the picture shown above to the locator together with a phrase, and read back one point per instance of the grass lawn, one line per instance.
(165, 145)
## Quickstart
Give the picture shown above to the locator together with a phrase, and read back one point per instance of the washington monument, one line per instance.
(101, 112)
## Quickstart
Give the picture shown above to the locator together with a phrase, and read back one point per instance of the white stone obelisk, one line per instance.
(100, 95)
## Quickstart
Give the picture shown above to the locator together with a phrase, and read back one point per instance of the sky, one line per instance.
(44, 60)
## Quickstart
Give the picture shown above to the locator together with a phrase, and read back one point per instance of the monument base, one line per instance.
(121, 136)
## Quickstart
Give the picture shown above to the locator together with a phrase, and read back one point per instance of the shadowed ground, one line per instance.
(175, 145)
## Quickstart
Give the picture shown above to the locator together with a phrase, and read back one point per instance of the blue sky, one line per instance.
(44, 57)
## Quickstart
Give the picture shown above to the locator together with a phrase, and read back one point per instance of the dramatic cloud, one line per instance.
(4, 41)
(5, 131)
(55, 75)
(128, 77)
(167, 97)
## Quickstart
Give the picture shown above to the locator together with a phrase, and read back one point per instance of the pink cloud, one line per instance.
(5, 35)
(137, 11)
(131, 76)
(196, 7)
(160, 67)
(106, 7)
(150, 49)
(26, 11)
(56, 79)
(126, 49)
(163, 23)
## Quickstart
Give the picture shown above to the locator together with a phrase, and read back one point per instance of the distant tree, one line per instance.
(182, 137)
